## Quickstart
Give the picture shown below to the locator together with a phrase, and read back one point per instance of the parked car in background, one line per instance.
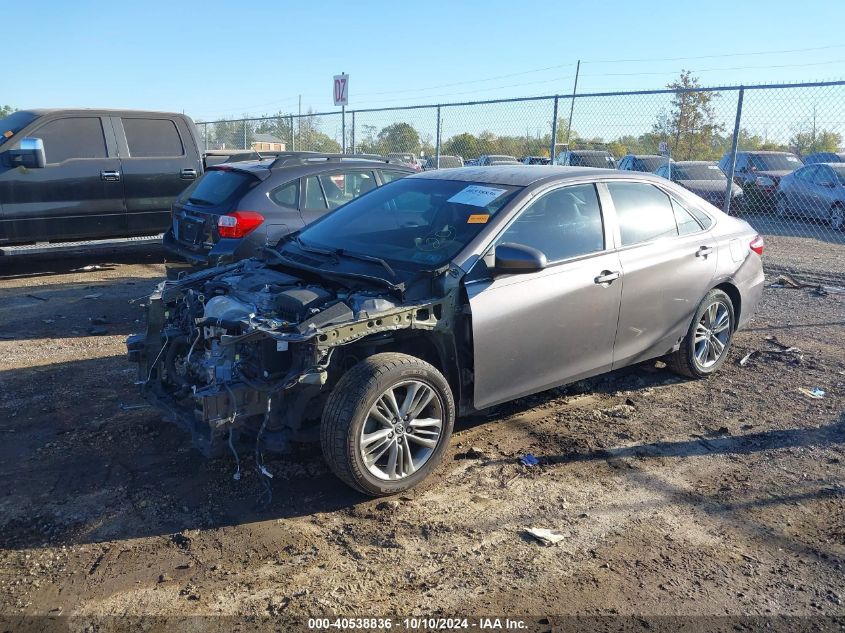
(237, 208)
(496, 159)
(824, 157)
(815, 191)
(85, 174)
(642, 162)
(535, 160)
(472, 162)
(759, 174)
(406, 158)
(446, 162)
(586, 158)
(374, 327)
(704, 179)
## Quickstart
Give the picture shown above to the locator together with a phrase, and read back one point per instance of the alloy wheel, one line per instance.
(837, 218)
(401, 431)
(712, 334)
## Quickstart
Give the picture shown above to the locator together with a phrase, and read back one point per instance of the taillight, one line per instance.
(756, 245)
(239, 223)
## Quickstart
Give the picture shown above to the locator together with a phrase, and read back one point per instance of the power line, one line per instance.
(679, 59)
(707, 70)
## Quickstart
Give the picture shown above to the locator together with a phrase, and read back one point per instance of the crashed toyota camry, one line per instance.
(438, 295)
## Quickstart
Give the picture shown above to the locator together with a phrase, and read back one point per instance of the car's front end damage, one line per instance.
(248, 351)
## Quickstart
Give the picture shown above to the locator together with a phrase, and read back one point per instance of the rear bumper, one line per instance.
(224, 251)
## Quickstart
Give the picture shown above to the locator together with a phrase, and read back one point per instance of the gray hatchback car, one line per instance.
(234, 209)
(441, 294)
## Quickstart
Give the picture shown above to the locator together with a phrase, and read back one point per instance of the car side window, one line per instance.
(822, 176)
(314, 198)
(388, 175)
(687, 223)
(77, 137)
(807, 174)
(563, 223)
(341, 187)
(286, 195)
(643, 211)
(741, 163)
(149, 138)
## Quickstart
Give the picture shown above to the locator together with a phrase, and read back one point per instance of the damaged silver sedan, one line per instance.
(438, 295)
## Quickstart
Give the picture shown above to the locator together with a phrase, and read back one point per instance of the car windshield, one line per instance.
(651, 162)
(697, 172)
(417, 222)
(14, 123)
(777, 162)
(590, 160)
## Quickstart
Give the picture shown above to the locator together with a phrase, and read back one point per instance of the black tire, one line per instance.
(836, 219)
(346, 413)
(684, 360)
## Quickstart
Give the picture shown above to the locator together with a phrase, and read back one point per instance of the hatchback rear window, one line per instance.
(218, 186)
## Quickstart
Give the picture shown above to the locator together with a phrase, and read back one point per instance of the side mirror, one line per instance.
(30, 154)
(516, 259)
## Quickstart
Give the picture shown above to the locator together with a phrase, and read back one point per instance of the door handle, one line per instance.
(110, 175)
(704, 251)
(607, 277)
(188, 174)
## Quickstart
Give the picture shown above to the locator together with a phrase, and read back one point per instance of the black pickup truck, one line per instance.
(72, 175)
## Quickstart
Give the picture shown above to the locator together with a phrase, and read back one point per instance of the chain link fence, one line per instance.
(782, 145)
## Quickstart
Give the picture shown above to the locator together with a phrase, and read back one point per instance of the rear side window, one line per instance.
(149, 138)
(217, 187)
(687, 222)
(77, 137)
(314, 194)
(643, 211)
(389, 175)
(286, 195)
(342, 187)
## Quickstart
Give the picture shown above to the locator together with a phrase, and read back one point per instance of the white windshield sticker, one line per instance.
(792, 159)
(476, 195)
(713, 167)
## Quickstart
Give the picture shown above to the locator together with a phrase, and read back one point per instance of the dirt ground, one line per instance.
(714, 497)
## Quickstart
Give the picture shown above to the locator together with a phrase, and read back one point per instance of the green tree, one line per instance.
(690, 125)
(6, 110)
(807, 140)
(398, 137)
(465, 145)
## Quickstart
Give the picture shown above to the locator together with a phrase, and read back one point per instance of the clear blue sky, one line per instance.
(224, 59)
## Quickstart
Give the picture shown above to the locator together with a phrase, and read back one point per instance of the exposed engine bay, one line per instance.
(247, 351)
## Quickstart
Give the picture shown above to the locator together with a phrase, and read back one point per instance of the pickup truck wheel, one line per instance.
(705, 347)
(387, 423)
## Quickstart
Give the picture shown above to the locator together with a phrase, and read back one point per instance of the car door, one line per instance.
(157, 166)
(799, 193)
(664, 275)
(823, 192)
(77, 195)
(537, 330)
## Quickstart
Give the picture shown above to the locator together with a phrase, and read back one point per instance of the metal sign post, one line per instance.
(341, 98)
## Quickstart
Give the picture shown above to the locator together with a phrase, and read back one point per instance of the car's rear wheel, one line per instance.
(836, 219)
(387, 423)
(705, 346)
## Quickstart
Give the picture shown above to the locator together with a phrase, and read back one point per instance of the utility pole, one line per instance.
(572, 104)
(299, 123)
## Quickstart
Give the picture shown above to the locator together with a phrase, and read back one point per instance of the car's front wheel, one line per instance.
(387, 423)
(705, 346)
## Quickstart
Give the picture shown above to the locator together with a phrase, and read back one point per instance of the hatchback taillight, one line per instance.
(238, 223)
(756, 245)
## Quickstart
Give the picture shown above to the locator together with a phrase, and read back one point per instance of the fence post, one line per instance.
(353, 132)
(342, 129)
(292, 136)
(245, 147)
(205, 135)
(437, 142)
(554, 134)
(726, 207)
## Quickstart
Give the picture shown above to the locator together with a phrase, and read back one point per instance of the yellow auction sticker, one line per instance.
(478, 218)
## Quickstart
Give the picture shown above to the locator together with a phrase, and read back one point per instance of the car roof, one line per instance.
(263, 168)
(763, 151)
(108, 111)
(694, 162)
(645, 155)
(588, 151)
(523, 175)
